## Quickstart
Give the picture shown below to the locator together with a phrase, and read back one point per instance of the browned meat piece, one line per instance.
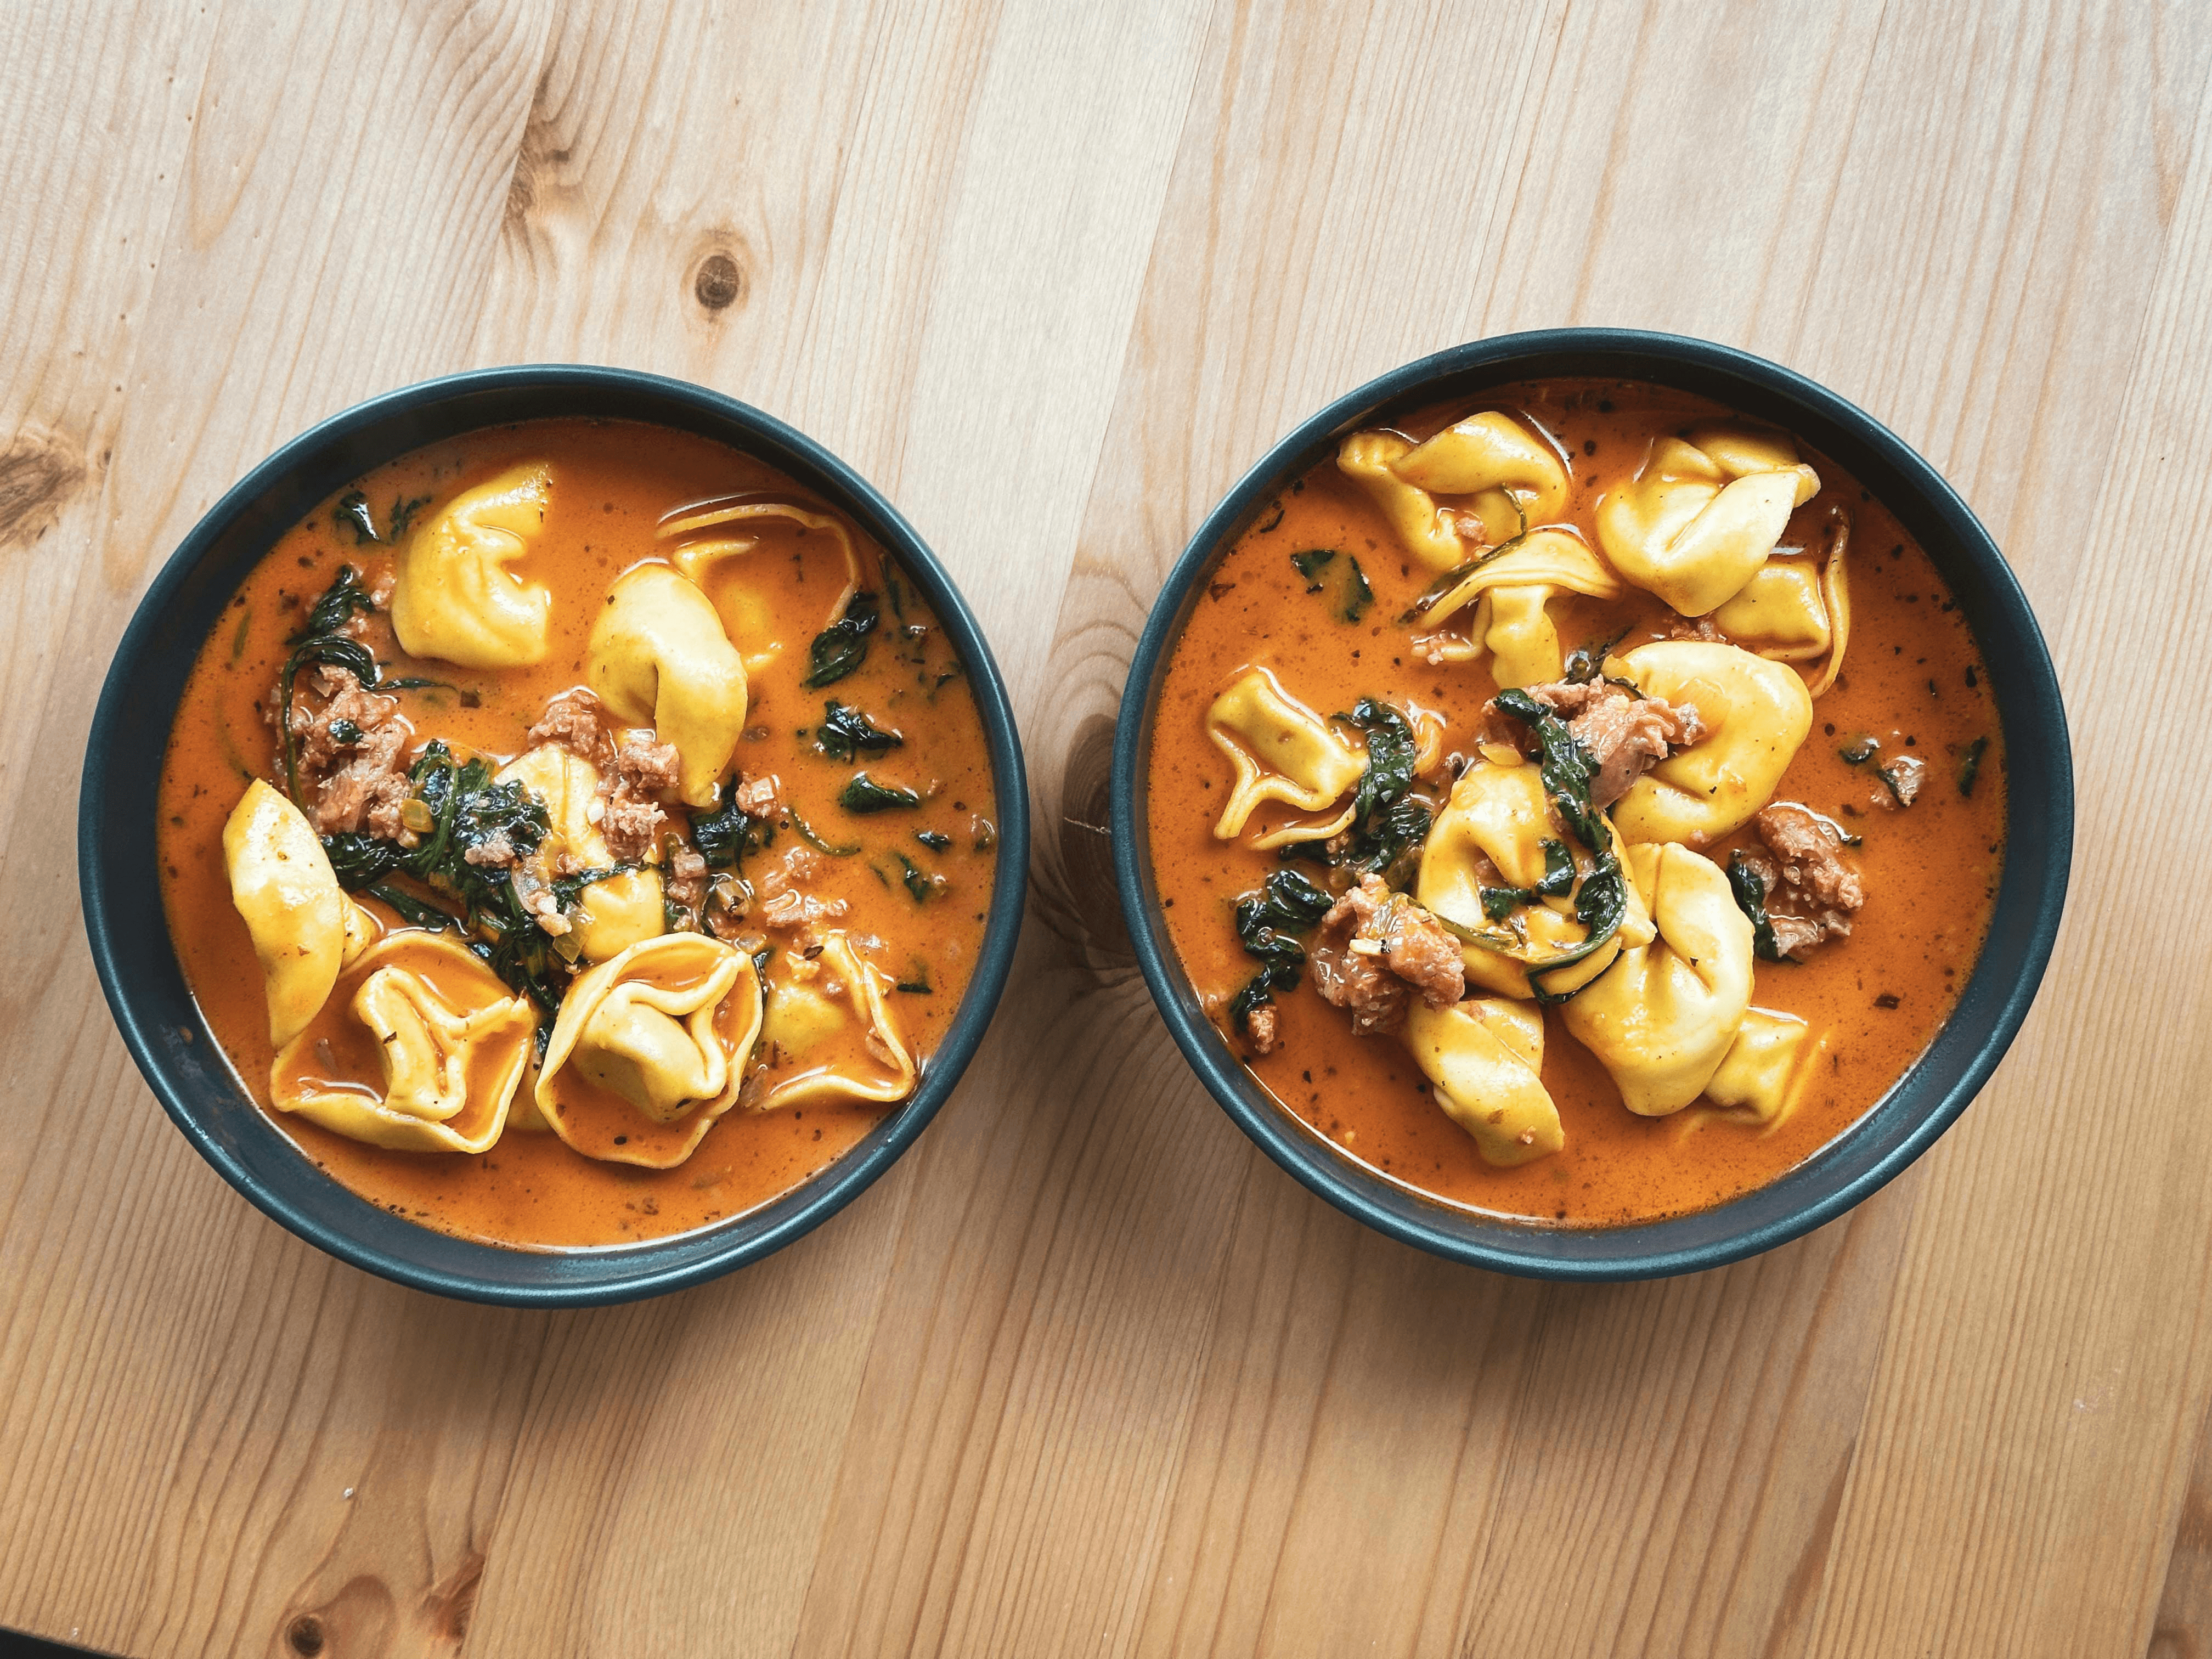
(1625, 735)
(1903, 776)
(1696, 628)
(323, 733)
(1372, 929)
(494, 850)
(647, 767)
(575, 721)
(793, 909)
(1805, 849)
(628, 816)
(787, 905)
(545, 910)
(1810, 890)
(757, 797)
(353, 752)
(686, 883)
(1260, 1026)
(1798, 937)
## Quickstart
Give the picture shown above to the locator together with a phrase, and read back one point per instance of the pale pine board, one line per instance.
(1086, 1373)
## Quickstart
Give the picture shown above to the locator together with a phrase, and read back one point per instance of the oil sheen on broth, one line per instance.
(1566, 1010)
(631, 852)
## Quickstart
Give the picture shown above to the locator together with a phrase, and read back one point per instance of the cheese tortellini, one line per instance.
(1515, 479)
(1491, 452)
(305, 929)
(658, 655)
(1499, 813)
(424, 1056)
(1367, 458)
(1795, 610)
(453, 597)
(1664, 1018)
(1510, 592)
(1766, 1068)
(1756, 715)
(650, 1048)
(1703, 514)
(617, 912)
(830, 1037)
(1283, 752)
(1485, 1058)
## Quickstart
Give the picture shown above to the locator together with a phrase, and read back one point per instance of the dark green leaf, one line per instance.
(1750, 890)
(842, 646)
(918, 882)
(352, 514)
(864, 794)
(1559, 877)
(846, 734)
(1970, 764)
(936, 841)
(1351, 603)
(415, 912)
(403, 515)
(1859, 751)
(358, 860)
(1585, 662)
(724, 836)
(1311, 562)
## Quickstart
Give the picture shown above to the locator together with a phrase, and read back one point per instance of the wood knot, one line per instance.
(39, 470)
(304, 1636)
(454, 1603)
(718, 281)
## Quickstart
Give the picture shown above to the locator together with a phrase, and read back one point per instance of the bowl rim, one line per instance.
(726, 1245)
(1677, 1244)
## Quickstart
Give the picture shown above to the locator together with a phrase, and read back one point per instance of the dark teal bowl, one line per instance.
(116, 861)
(2038, 825)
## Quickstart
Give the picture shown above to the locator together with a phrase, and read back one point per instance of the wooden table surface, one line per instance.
(1085, 1373)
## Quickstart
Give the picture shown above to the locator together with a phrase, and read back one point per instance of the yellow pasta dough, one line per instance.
(304, 927)
(1664, 1018)
(1283, 752)
(658, 655)
(1485, 1058)
(1756, 715)
(831, 1036)
(1703, 514)
(650, 1048)
(454, 597)
(448, 1043)
(1499, 812)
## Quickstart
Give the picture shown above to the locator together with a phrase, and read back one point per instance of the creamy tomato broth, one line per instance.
(1582, 806)
(632, 849)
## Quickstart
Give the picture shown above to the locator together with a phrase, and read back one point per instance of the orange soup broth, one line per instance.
(614, 483)
(1875, 1000)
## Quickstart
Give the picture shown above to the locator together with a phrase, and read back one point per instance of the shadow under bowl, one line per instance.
(2039, 821)
(117, 864)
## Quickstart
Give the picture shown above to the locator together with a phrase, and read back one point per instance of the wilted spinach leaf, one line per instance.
(1750, 890)
(864, 794)
(1269, 925)
(846, 734)
(842, 646)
